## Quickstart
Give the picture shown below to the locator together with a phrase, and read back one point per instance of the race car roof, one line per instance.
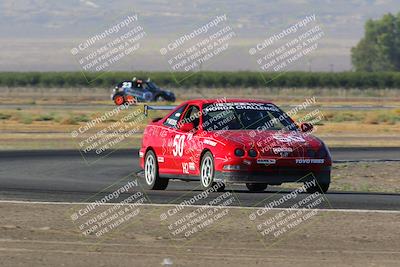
(199, 102)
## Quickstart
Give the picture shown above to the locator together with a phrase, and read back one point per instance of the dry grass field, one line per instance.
(43, 118)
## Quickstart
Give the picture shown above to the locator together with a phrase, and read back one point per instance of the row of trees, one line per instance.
(206, 79)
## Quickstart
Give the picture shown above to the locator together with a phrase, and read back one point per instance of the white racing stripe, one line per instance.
(194, 206)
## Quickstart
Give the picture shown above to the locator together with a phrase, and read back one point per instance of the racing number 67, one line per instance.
(179, 141)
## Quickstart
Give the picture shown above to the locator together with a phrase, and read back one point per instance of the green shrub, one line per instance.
(45, 117)
(4, 116)
(81, 118)
(25, 118)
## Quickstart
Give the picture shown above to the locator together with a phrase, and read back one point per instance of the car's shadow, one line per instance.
(192, 187)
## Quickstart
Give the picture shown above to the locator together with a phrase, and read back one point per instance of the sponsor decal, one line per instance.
(160, 159)
(241, 105)
(266, 161)
(289, 138)
(282, 151)
(284, 154)
(247, 162)
(209, 142)
(141, 154)
(172, 121)
(192, 166)
(185, 167)
(278, 150)
(310, 161)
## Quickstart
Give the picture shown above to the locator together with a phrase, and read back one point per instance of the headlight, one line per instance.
(239, 152)
(252, 153)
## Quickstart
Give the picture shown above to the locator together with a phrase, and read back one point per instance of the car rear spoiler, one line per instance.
(146, 108)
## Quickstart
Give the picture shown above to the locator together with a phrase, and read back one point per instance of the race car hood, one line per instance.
(265, 141)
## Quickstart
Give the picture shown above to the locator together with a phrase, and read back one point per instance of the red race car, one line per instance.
(232, 141)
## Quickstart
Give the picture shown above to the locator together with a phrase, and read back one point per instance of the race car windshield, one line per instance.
(152, 86)
(245, 115)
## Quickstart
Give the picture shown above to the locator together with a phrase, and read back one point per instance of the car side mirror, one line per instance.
(187, 127)
(306, 127)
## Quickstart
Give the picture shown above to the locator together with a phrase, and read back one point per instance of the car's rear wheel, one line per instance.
(119, 100)
(151, 175)
(256, 187)
(319, 187)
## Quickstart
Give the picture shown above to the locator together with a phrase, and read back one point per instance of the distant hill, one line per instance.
(38, 34)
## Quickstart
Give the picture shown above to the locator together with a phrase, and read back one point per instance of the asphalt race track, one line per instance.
(66, 176)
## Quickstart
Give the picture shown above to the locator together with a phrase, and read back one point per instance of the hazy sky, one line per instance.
(39, 34)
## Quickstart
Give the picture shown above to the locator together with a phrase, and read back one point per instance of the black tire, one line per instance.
(319, 187)
(171, 99)
(207, 171)
(152, 180)
(160, 98)
(256, 187)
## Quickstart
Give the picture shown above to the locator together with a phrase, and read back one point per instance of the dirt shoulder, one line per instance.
(44, 235)
(366, 177)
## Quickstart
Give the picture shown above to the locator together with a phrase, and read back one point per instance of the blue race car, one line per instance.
(140, 91)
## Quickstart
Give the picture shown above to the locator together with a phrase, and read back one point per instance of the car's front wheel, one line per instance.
(151, 175)
(207, 170)
(130, 99)
(256, 187)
